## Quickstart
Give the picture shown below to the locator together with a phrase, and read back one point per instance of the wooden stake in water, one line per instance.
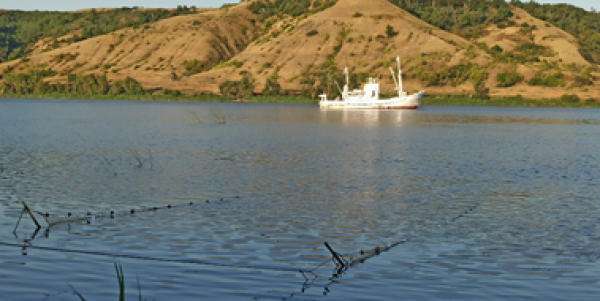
(18, 221)
(26, 208)
(335, 255)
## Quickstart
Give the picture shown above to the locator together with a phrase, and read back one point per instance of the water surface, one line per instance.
(477, 202)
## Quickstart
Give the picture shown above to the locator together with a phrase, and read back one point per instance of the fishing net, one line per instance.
(54, 219)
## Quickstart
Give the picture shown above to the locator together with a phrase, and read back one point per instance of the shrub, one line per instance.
(454, 75)
(240, 89)
(312, 33)
(508, 79)
(194, 66)
(390, 31)
(553, 80)
(272, 87)
(168, 92)
(357, 15)
(497, 49)
(502, 14)
(570, 98)
(532, 49)
(478, 78)
(582, 81)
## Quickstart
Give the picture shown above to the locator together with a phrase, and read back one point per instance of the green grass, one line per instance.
(461, 100)
(281, 99)
(435, 100)
(181, 98)
(120, 280)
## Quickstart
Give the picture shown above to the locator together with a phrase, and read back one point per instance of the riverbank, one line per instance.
(174, 98)
(464, 100)
(428, 100)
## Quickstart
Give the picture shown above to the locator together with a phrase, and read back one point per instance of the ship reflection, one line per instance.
(369, 118)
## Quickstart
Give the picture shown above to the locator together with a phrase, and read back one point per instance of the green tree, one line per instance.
(390, 31)
(272, 87)
(508, 79)
(243, 88)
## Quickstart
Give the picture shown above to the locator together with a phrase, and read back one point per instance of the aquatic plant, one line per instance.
(195, 115)
(120, 280)
(137, 157)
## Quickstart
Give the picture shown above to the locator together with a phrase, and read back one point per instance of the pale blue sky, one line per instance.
(67, 5)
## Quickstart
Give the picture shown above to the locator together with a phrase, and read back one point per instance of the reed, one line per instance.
(120, 280)
(220, 119)
(137, 157)
(195, 115)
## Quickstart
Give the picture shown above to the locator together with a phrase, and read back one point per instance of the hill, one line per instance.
(286, 46)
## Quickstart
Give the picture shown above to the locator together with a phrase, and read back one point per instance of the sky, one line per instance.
(70, 5)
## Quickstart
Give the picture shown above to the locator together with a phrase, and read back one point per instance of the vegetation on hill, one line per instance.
(19, 30)
(34, 83)
(465, 18)
(285, 47)
(469, 18)
(265, 9)
(582, 24)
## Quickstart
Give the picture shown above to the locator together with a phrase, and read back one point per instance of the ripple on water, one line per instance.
(486, 204)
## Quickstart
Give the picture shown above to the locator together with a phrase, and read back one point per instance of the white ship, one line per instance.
(368, 97)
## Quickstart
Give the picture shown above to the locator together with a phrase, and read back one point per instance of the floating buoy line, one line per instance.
(341, 262)
(54, 219)
(344, 262)
(71, 217)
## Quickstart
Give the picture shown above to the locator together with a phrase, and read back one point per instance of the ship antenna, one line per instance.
(346, 73)
(394, 77)
(400, 90)
(338, 86)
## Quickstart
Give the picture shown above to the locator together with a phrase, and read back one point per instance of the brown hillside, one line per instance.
(155, 54)
(198, 52)
(291, 51)
(563, 54)
(562, 43)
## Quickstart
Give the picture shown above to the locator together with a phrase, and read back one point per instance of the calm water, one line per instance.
(478, 203)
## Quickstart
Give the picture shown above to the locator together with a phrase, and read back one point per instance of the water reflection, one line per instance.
(368, 118)
(371, 118)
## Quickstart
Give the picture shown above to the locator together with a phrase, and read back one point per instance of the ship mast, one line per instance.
(400, 90)
(398, 83)
(346, 90)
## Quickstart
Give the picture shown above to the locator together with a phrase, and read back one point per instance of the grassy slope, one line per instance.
(156, 54)
(289, 51)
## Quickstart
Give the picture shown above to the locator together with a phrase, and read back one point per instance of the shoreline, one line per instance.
(428, 100)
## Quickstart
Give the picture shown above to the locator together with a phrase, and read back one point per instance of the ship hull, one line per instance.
(409, 102)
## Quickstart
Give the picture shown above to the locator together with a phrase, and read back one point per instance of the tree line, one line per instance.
(34, 83)
(295, 8)
(583, 25)
(468, 18)
(21, 29)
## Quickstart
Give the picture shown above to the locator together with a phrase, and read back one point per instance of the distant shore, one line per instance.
(465, 100)
(433, 100)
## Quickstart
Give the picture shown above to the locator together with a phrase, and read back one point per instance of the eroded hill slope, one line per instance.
(305, 48)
